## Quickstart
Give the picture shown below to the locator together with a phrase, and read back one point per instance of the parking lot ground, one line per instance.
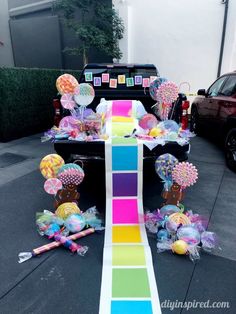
(57, 282)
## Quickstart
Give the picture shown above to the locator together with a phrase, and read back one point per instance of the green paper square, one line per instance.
(130, 283)
(130, 81)
(128, 255)
(88, 76)
(124, 140)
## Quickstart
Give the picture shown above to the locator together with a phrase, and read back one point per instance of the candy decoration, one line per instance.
(154, 85)
(66, 83)
(84, 94)
(189, 234)
(67, 209)
(67, 101)
(179, 219)
(148, 121)
(167, 93)
(179, 247)
(164, 166)
(75, 223)
(168, 210)
(71, 174)
(69, 123)
(71, 245)
(185, 174)
(51, 186)
(50, 165)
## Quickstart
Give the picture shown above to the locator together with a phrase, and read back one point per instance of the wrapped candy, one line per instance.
(71, 245)
(189, 234)
(208, 240)
(75, 223)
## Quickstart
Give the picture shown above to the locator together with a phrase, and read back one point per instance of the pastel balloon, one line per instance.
(148, 121)
(50, 165)
(179, 247)
(67, 101)
(67, 209)
(84, 94)
(66, 83)
(169, 125)
(52, 186)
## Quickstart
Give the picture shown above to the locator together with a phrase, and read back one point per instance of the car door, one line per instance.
(209, 107)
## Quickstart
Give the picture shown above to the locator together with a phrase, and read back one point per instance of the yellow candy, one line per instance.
(67, 209)
(50, 165)
(180, 247)
(155, 132)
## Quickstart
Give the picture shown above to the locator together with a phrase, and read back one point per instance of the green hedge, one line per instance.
(26, 100)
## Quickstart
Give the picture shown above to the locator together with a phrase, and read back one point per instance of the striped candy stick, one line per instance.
(24, 256)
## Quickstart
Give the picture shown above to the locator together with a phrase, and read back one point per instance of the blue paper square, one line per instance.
(131, 307)
(124, 158)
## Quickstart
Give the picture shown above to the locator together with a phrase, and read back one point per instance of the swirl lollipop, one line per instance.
(66, 83)
(51, 186)
(155, 85)
(167, 93)
(67, 101)
(164, 166)
(50, 165)
(185, 174)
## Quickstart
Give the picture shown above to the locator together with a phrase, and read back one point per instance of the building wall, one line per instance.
(6, 57)
(181, 37)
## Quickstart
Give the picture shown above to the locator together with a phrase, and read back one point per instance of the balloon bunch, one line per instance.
(178, 230)
(165, 93)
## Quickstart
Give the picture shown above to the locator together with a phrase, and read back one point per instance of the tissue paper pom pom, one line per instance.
(167, 93)
(185, 174)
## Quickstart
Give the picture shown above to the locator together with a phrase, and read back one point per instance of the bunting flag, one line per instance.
(128, 280)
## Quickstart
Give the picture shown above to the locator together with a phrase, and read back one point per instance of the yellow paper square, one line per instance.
(121, 79)
(126, 234)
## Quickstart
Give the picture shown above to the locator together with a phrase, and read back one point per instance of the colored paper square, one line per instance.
(122, 128)
(152, 78)
(125, 211)
(126, 234)
(113, 83)
(88, 76)
(97, 81)
(105, 78)
(121, 79)
(125, 184)
(128, 255)
(146, 82)
(130, 283)
(131, 307)
(138, 79)
(124, 158)
(122, 108)
(130, 81)
(123, 140)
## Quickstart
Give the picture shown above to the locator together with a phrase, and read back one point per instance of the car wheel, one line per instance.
(194, 122)
(230, 149)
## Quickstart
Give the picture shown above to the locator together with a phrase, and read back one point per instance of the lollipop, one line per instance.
(155, 85)
(67, 209)
(75, 223)
(164, 166)
(52, 185)
(67, 101)
(167, 93)
(66, 83)
(148, 121)
(71, 174)
(50, 165)
(189, 234)
(84, 94)
(185, 174)
(179, 219)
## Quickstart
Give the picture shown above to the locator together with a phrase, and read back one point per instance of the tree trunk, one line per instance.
(85, 56)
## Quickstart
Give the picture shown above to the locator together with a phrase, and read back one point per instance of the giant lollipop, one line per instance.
(148, 121)
(71, 174)
(155, 85)
(66, 83)
(84, 95)
(164, 166)
(166, 94)
(185, 174)
(67, 101)
(50, 165)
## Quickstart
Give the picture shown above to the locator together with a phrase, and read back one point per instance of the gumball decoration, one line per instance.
(185, 174)
(155, 85)
(189, 234)
(84, 94)
(167, 93)
(179, 219)
(66, 83)
(67, 209)
(50, 165)
(52, 186)
(148, 121)
(164, 166)
(71, 174)
(67, 101)
(75, 223)
(180, 247)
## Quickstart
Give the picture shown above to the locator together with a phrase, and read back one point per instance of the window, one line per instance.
(215, 88)
(229, 88)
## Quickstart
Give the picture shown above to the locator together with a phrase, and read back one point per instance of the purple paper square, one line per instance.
(125, 184)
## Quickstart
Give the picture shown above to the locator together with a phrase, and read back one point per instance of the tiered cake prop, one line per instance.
(62, 181)
(178, 230)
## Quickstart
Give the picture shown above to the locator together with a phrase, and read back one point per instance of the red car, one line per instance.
(214, 111)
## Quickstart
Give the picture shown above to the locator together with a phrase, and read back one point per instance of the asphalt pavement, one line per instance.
(58, 282)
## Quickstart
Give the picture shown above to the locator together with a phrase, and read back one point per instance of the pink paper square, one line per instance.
(125, 211)
(122, 108)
